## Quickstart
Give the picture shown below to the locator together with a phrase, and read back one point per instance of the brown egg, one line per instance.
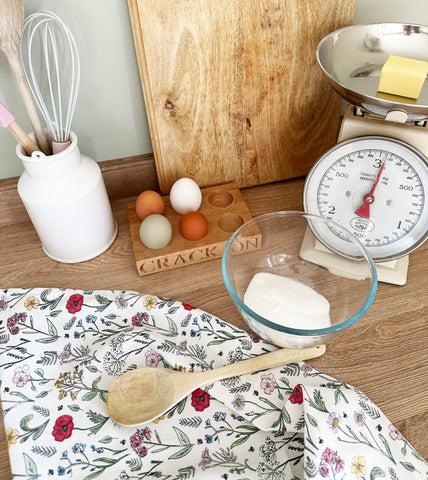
(193, 226)
(149, 203)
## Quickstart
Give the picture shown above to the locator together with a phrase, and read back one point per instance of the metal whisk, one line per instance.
(51, 63)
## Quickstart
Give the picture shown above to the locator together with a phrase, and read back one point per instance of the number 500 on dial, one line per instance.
(376, 188)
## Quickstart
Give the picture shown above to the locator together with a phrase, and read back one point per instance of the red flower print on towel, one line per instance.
(297, 395)
(200, 399)
(188, 307)
(74, 303)
(63, 427)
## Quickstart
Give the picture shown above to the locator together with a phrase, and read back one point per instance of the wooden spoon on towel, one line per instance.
(141, 395)
(11, 25)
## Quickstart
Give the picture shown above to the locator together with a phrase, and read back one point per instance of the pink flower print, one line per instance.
(205, 459)
(340, 465)
(152, 359)
(135, 440)
(12, 326)
(330, 459)
(181, 347)
(394, 433)
(139, 319)
(323, 470)
(327, 454)
(21, 376)
(141, 451)
(306, 368)
(65, 354)
(268, 383)
(255, 338)
(21, 317)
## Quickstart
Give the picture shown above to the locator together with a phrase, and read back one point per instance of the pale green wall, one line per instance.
(110, 118)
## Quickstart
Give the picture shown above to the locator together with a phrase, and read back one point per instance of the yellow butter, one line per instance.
(395, 98)
(403, 76)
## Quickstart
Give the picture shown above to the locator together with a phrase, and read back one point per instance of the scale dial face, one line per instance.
(376, 188)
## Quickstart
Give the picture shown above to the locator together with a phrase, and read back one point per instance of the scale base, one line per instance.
(312, 250)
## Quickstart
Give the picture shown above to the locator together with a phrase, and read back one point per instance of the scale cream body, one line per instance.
(357, 123)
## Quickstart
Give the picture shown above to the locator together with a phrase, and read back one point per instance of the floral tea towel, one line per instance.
(61, 349)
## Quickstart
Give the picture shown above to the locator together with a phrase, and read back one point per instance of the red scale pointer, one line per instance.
(364, 209)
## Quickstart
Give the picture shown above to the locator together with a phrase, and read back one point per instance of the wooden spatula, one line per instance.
(11, 24)
(141, 395)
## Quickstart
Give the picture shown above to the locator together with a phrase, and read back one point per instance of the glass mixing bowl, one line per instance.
(277, 243)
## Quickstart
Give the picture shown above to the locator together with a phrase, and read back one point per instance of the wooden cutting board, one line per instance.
(232, 88)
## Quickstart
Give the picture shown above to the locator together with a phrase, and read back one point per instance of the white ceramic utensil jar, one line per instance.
(67, 202)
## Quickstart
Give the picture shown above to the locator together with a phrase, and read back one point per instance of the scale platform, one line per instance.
(312, 250)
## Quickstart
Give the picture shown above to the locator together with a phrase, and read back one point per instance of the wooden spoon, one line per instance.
(11, 25)
(141, 395)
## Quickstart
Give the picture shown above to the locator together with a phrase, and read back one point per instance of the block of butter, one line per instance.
(403, 76)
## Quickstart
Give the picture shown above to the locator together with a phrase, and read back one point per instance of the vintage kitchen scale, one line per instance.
(374, 181)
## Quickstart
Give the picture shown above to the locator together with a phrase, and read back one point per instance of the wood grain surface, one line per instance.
(385, 354)
(232, 88)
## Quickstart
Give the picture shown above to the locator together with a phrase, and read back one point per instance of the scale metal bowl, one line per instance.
(353, 57)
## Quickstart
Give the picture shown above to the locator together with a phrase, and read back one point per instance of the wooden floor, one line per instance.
(385, 354)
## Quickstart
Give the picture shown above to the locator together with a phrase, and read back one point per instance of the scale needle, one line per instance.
(364, 209)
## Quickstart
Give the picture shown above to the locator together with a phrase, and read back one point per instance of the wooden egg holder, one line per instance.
(225, 210)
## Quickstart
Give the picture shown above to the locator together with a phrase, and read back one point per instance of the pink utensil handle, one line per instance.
(7, 120)
(23, 139)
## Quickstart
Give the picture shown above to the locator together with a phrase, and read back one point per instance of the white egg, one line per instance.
(185, 196)
(155, 231)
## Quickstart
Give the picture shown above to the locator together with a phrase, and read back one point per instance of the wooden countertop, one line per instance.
(385, 354)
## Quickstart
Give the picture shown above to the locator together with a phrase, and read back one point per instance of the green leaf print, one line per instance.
(318, 402)
(55, 376)
(106, 439)
(30, 466)
(51, 303)
(181, 453)
(408, 466)
(240, 441)
(388, 450)
(34, 432)
(103, 301)
(89, 396)
(182, 437)
(376, 472)
(312, 420)
(172, 328)
(94, 475)
(51, 328)
(74, 408)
